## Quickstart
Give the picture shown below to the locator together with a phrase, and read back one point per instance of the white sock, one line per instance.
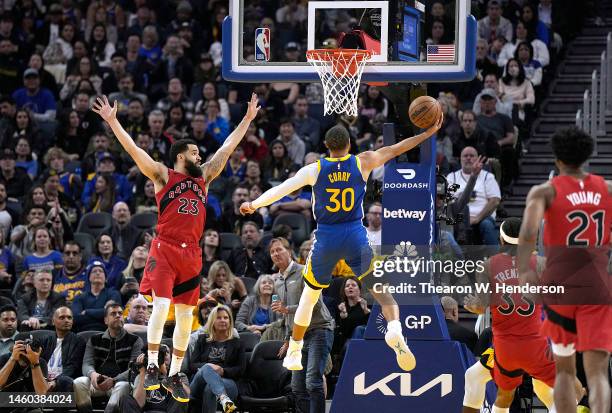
(153, 356)
(155, 328)
(180, 339)
(295, 345)
(395, 326)
(500, 409)
(175, 365)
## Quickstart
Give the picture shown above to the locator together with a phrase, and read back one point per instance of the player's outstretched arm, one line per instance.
(537, 200)
(155, 171)
(307, 175)
(373, 159)
(215, 165)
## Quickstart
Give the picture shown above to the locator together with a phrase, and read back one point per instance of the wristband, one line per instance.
(35, 365)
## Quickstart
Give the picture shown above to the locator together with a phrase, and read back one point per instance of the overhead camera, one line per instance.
(445, 193)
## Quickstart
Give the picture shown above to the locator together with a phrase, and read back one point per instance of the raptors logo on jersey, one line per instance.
(182, 208)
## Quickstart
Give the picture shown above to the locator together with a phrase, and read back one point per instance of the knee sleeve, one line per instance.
(309, 298)
(155, 328)
(544, 393)
(476, 378)
(184, 319)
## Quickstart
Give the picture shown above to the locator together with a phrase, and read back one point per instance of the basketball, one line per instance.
(424, 111)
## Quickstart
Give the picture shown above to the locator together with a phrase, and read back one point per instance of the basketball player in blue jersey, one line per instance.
(339, 185)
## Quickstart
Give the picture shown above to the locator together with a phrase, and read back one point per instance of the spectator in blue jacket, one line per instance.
(106, 165)
(38, 100)
(105, 252)
(88, 308)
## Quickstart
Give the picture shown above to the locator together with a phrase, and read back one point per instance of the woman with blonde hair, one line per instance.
(224, 286)
(218, 360)
(255, 314)
(132, 274)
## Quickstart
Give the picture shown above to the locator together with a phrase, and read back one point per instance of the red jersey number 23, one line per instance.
(188, 206)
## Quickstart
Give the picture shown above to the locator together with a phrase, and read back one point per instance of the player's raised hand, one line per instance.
(246, 208)
(253, 107)
(104, 109)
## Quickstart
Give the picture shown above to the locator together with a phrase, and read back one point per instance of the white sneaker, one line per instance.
(405, 358)
(293, 359)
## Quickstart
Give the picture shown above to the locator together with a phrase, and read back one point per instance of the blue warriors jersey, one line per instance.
(337, 195)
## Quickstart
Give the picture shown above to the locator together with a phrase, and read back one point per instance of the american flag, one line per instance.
(444, 53)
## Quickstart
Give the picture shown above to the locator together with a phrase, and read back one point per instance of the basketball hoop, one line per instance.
(340, 72)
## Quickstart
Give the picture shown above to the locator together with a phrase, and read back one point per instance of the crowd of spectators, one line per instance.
(160, 60)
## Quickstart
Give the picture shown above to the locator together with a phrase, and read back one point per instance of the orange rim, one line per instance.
(344, 62)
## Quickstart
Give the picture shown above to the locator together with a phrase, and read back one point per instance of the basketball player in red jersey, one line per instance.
(519, 347)
(577, 210)
(175, 259)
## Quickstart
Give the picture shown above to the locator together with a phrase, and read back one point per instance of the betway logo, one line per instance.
(403, 213)
(444, 380)
(407, 174)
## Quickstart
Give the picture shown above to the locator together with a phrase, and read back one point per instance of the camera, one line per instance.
(34, 344)
(161, 357)
(445, 193)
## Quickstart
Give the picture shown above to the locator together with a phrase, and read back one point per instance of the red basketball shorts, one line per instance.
(588, 327)
(173, 271)
(513, 358)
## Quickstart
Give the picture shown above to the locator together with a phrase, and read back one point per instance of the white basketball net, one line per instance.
(340, 71)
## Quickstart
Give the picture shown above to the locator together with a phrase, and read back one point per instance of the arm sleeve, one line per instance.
(88, 359)
(305, 176)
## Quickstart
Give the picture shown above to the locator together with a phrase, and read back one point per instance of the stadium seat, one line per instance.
(267, 379)
(144, 220)
(249, 341)
(265, 239)
(333, 290)
(95, 223)
(87, 243)
(142, 335)
(249, 283)
(299, 225)
(86, 335)
(227, 242)
(39, 335)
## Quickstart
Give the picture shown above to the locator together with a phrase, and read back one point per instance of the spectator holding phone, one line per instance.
(255, 313)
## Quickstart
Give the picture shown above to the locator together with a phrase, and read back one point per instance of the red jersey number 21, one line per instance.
(188, 206)
(583, 222)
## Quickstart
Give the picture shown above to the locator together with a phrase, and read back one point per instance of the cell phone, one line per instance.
(275, 298)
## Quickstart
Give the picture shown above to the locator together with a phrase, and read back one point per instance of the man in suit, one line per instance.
(64, 350)
(307, 384)
(456, 331)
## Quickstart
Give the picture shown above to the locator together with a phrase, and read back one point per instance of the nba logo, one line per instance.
(262, 44)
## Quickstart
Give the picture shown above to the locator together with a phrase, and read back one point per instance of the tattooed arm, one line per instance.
(213, 168)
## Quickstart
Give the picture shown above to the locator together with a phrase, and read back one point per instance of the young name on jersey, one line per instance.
(584, 197)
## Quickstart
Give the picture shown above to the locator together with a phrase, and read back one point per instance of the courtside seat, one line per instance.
(227, 242)
(87, 243)
(299, 225)
(268, 381)
(86, 335)
(249, 283)
(95, 223)
(249, 341)
(144, 220)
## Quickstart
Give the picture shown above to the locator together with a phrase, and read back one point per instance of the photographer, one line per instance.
(159, 400)
(23, 370)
